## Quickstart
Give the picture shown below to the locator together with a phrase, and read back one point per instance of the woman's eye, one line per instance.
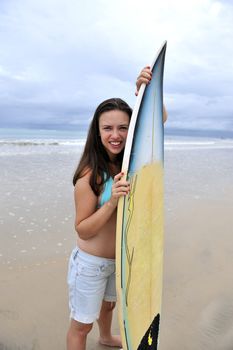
(124, 128)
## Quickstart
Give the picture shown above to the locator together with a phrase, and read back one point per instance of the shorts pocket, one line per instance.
(88, 270)
(71, 272)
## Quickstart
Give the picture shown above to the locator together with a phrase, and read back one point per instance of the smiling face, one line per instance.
(113, 129)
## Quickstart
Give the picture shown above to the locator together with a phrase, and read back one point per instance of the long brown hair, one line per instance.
(95, 157)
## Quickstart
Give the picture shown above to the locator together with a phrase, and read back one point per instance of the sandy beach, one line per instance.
(37, 235)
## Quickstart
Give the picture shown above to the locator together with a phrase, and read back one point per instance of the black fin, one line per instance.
(150, 339)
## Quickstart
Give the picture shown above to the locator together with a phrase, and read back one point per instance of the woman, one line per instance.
(98, 186)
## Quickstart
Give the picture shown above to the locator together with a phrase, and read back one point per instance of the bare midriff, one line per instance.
(104, 242)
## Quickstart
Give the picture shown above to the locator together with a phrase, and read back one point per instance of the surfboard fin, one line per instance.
(150, 339)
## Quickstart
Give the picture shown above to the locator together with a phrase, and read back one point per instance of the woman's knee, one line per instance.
(81, 329)
(108, 305)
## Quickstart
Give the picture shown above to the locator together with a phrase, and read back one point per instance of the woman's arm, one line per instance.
(145, 77)
(88, 219)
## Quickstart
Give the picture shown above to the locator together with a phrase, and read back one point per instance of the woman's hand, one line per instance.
(119, 188)
(144, 77)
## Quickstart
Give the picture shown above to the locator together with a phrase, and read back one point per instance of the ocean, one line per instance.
(37, 141)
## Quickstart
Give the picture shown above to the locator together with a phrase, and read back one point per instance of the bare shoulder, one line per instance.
(84, 197)
(84, 181)
(83, 193)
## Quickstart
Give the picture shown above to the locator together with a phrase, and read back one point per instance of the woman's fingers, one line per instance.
(118, 181)
(142, 80)
(119, 193)
(120, 187)
(118, 177)
(144, 77)
(121, 183)
(147, 74)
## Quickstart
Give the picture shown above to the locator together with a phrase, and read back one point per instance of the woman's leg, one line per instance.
(105, 322)
(77, 335)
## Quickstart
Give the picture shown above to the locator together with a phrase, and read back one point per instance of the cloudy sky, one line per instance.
(60, 58)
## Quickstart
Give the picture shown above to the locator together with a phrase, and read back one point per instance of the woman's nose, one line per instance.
(115, 133)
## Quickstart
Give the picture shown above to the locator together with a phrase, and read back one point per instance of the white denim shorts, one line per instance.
(91, 279)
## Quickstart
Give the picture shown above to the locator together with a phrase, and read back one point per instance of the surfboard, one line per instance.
(139, 242)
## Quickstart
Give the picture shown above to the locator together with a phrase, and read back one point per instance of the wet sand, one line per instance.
(37, 235)
(197, 299)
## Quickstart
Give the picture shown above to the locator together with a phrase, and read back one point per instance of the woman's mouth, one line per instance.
(115, 143)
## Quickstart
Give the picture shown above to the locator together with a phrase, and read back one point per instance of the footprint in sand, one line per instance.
(216, 325)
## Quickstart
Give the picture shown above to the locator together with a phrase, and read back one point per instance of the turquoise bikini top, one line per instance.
(107, 192)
